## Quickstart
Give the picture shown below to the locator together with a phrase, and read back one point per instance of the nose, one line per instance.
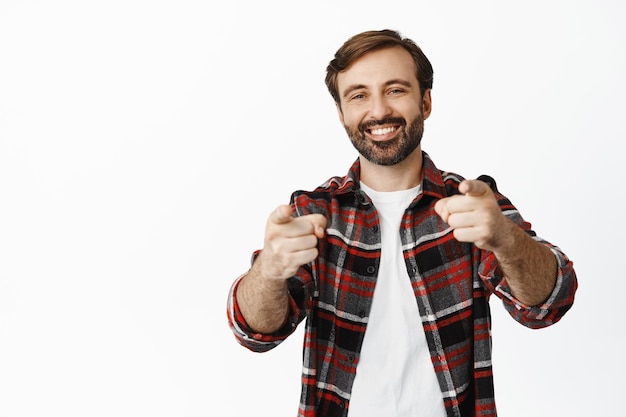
(380, 108)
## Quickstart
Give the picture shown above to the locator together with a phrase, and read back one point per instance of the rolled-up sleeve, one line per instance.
(552, 309)
(259, 342)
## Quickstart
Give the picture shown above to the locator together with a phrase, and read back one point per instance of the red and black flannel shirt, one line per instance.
(452, 282)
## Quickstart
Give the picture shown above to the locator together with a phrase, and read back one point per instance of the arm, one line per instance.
(530, 267)
(264, 302)
(290, 242)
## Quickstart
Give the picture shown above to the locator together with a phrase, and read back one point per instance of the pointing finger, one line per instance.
(475, 188)
(282, 214)
(311, 223)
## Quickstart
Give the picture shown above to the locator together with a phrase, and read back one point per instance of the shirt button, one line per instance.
(371, 269)
(351, 358)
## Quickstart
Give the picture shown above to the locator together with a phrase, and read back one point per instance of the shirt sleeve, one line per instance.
(553, 308)
(259, 342)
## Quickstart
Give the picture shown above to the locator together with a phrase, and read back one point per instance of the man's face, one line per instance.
(381, 107)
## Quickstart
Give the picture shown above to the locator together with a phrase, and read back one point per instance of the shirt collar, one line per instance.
(432, 180)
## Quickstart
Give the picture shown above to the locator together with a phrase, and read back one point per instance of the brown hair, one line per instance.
(365, 42)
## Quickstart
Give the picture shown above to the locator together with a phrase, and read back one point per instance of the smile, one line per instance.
(383, 130)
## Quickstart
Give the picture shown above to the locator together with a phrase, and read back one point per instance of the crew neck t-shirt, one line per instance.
(395, 375)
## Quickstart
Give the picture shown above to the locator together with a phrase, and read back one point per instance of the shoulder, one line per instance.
(449, 181)
(320, 199)
(342, 189)
(439, 183)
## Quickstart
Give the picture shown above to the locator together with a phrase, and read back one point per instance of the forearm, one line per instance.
(529, 267)
(263, 303)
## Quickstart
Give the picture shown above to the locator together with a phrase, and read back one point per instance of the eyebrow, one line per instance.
(354, 87)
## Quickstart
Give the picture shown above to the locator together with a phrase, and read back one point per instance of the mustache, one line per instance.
(388, 120)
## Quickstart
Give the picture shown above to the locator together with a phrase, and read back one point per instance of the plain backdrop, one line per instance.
(143, 144)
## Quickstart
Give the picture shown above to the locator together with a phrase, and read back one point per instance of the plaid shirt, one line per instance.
(452, 282)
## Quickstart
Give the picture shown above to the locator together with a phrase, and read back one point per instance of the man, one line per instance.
(392, 266)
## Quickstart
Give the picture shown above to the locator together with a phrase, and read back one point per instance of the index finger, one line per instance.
(474, 188)
(282, 214)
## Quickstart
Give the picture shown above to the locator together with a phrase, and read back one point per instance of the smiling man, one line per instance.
(392, 266)
(385, 117)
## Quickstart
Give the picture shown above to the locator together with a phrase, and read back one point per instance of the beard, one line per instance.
(389, 152)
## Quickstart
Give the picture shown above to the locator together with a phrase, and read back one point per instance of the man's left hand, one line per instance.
(474, 215)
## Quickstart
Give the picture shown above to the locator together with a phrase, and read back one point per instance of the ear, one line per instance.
(426, 104)
(339, 112)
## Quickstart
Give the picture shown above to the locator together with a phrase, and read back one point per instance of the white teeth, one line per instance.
(383, 131)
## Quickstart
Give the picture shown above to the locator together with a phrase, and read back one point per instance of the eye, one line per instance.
(396, 91)
(358, 96)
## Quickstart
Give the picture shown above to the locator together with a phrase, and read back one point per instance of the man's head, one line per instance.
(381, 85)
(365, 42)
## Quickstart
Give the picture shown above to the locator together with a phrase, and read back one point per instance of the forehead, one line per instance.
(377, 68)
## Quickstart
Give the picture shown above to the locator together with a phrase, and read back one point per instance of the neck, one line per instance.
(402, 176)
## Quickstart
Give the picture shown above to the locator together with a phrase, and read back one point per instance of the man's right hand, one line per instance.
(290, 242)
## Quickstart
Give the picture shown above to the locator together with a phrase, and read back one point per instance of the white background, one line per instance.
(144, 143)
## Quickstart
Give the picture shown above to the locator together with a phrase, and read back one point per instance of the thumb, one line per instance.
(319, 224)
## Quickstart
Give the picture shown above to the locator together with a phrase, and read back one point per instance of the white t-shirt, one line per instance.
(395, 375)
